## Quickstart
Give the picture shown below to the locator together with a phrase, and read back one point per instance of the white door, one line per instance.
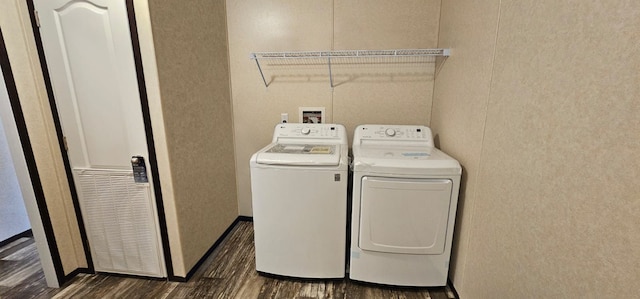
(89, 53)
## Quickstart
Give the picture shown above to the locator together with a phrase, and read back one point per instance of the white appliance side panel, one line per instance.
(404, 215)
(120, 223)
(299, 220)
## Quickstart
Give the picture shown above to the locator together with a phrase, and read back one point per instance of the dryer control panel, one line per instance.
(389, 133)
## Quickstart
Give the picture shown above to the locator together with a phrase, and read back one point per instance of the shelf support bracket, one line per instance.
(260, 69)
(330, 75)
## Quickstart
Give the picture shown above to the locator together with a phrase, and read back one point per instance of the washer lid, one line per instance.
(300, 154)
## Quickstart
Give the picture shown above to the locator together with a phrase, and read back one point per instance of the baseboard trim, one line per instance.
(174, 278)
(25, 234)
(208, 253)
(75, 273)
(453, 289)
(245, 218)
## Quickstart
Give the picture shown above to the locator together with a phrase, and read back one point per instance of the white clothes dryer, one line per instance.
(405, 194)
(299, 196)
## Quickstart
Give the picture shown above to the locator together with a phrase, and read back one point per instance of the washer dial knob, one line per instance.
(305, 131)
(390, 132)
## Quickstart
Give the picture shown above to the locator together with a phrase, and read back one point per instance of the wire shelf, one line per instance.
(351, 54)
(344, 56)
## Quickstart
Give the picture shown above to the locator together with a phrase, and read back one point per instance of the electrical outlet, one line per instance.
(284, 118)
(312, 115)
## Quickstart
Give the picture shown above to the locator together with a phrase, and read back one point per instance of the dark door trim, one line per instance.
(148, 130)
(151, 148)
(65, 159)
(32, 168)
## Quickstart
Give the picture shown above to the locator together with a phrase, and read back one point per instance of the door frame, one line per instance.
(35, 203)
(152, 159)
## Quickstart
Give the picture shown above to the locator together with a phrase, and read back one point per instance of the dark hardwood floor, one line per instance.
(228, 273)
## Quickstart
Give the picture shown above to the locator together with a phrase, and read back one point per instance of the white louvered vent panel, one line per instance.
(120, 222)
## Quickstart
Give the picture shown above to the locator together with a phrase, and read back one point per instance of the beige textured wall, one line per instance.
(191, 51)
(16, 27)
(363, 94)
(556, 200)
(460, 102)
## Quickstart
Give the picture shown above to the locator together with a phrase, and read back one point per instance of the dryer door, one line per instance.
(399, 215)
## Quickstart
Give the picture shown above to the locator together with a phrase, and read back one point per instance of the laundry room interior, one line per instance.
(537, 100)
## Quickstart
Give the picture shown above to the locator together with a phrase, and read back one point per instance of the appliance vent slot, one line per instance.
(120, 222)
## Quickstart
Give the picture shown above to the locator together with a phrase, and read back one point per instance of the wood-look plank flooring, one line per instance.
(21, 274)
(229, 272)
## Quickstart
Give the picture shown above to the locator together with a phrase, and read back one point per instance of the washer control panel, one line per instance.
(311, 131)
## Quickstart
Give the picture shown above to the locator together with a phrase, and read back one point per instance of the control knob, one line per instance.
(390, 132)
(305, 131)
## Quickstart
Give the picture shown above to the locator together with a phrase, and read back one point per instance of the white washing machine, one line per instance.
(299, 187)
(405, 194)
